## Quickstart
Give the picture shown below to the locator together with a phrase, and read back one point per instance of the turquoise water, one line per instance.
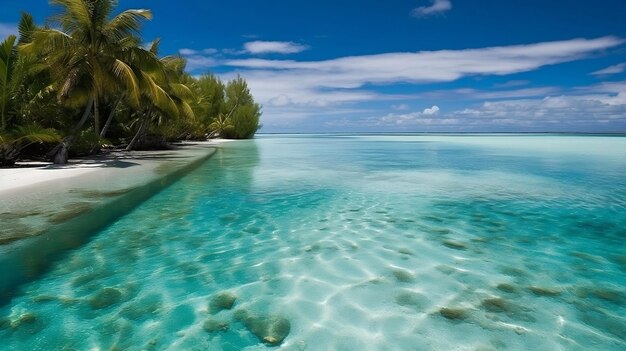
(420, 242)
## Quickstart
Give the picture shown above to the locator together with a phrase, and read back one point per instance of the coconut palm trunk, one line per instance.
(138, 136)
(141, 131)
(107, 124)
(60, 153)
(8, 156)
(96, 116)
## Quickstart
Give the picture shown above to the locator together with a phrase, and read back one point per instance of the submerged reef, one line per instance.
(212, 326)
(271, 330)
(222, 301)
(456, 314)
(105, 298)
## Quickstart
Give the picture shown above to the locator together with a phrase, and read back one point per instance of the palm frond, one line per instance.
(160, 98)
(174, 64)
(154, 46)
(128, 42)
(187, 111)
(124, 72)
(101, 10)
(7, 49)
(145, 60)
(127, 23)
(35, 134)
(26, 28)
(182, 91)
(47, 40)
(74, 14)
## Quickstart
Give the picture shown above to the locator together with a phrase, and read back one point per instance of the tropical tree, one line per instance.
(164, 98)
(14, 70)
(29, 89)
(243, 112)
(91, 56)
(8, 59)
(210, 90)
(220, 126)
(86, 63)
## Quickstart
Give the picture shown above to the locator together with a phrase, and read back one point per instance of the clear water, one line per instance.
(360, 243)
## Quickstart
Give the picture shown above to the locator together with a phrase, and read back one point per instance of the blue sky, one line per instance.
(403, 65)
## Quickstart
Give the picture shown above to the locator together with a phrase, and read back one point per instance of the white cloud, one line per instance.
(409, 120)
(200, 59)
(600, 107)
(431, 111)
(443, 65)
(397, 119)
(210, 51)
(437, 7)
(277, 47)
(425, 116)
(475, 94)
(7, 29)
(292, 90)
(198, 62)
(191, 52)
(561, 112)
(569, 109)
(400, 107)
(615, 69)
(187, 52)
(558, 113)
(342, 80)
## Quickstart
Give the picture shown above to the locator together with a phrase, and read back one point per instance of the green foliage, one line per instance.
(243, 112)
(85, 75)
(8, 58)
(13, 142)
(26, 28)
(221, 125)
(85, 142)
(33, 134)
(92, 55)
(211, 92)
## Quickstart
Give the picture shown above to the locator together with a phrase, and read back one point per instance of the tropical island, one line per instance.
(85, 81)
(431, 175)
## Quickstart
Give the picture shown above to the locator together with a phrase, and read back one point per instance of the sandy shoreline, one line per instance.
(33, 173)
(40, 195)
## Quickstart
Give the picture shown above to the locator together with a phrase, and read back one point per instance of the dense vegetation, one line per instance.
(84, 81)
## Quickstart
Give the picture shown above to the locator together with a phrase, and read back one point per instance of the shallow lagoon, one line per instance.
(412, 242)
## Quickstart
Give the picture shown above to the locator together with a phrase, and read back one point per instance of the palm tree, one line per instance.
(164, 98)
(220, 125)
(8, 59)
(90, 56)
(14, 69)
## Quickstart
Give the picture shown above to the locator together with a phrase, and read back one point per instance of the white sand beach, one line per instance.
(36, 193)
(29, 173)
